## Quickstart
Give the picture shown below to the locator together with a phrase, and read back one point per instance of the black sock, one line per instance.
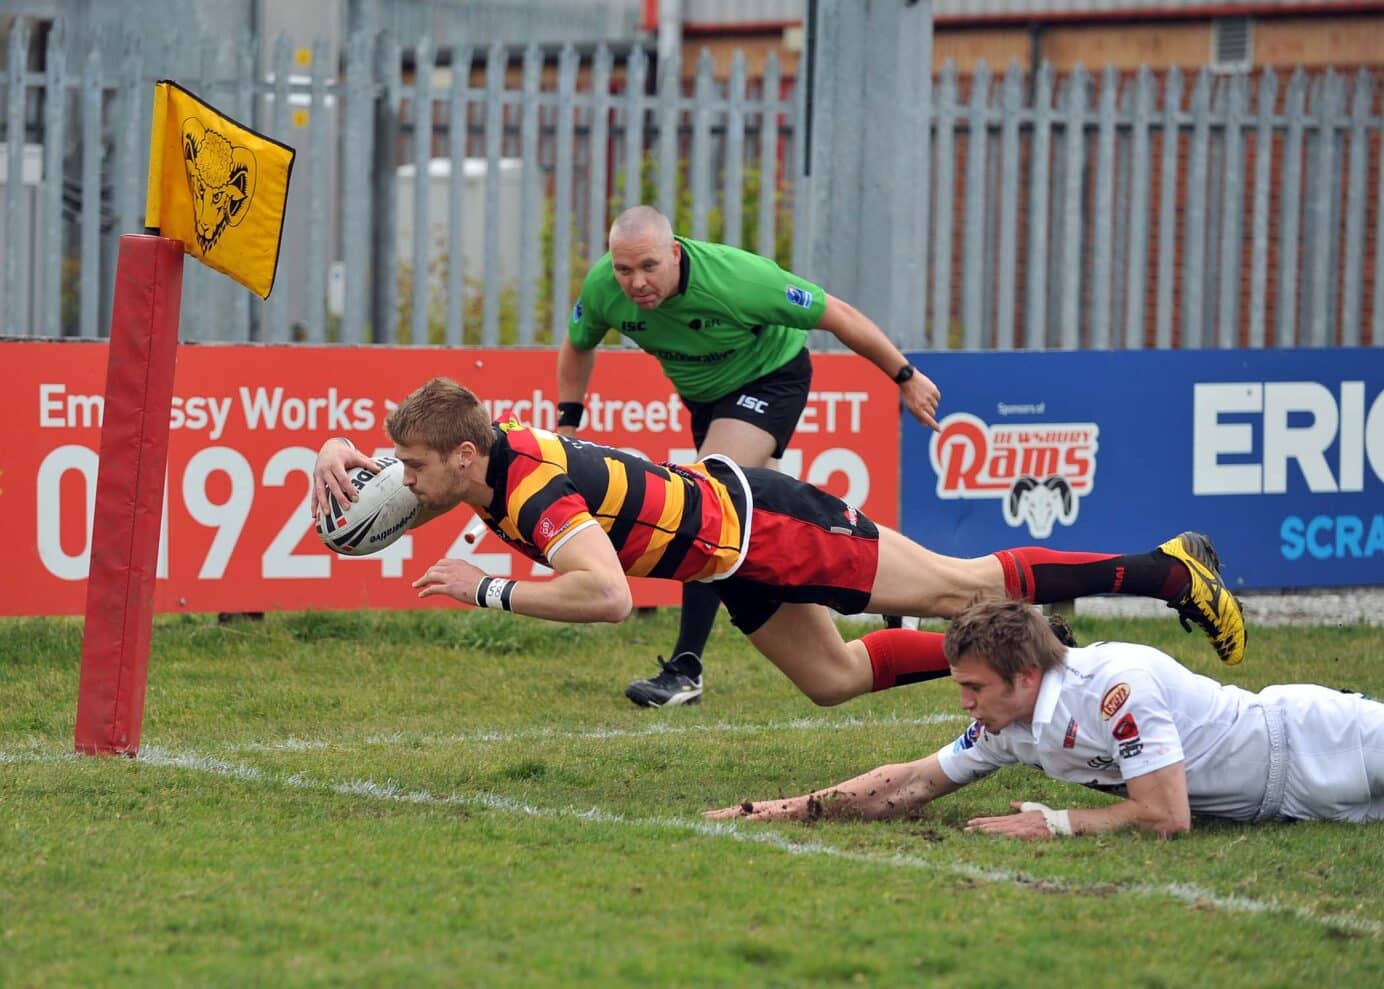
(1041, 575)
(699, 606)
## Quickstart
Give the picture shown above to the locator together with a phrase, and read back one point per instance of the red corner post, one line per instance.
(129, 495)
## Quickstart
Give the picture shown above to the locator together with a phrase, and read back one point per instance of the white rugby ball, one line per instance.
(378, 517)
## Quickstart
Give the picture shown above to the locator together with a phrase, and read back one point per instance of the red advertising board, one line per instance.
(247, 422)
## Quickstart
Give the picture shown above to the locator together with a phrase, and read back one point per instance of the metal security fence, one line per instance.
(1143, 211)
(560, 159)
(450, 192)
(385, 240)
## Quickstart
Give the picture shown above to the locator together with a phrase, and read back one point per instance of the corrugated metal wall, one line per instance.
(513, 21)
(708, 12)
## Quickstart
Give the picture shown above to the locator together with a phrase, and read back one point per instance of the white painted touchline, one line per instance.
(654, 729)
(751, 833)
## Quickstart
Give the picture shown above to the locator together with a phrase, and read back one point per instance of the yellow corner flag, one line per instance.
(217, 186)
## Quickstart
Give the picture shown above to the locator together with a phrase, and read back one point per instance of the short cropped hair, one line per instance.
(1009, 636)
(441, 415)
(642, 219)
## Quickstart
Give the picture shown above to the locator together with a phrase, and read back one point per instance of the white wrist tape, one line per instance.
(1059, 821)
(494, 592)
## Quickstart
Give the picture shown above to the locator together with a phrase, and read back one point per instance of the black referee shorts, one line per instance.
(773, 402)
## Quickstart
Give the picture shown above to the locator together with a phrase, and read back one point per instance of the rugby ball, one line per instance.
(378, 517)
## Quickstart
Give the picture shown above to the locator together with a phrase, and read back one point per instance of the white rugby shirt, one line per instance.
(1116, 711)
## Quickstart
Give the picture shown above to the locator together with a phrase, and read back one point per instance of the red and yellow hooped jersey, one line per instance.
(675, 522)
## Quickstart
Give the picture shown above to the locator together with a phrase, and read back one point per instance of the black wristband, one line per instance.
(570, 413)
(905, 372)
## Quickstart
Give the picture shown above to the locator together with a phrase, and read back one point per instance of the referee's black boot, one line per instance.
(679, 681)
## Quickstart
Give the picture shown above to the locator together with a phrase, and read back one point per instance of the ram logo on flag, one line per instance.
(217, 186)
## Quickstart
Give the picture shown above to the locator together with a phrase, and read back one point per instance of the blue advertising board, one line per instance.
(1277, 454)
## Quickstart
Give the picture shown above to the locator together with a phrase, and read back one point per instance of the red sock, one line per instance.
(903, 655)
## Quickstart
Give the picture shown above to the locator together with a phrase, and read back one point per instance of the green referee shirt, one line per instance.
(735, 317)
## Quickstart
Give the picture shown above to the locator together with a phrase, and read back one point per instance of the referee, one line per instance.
(730, 331)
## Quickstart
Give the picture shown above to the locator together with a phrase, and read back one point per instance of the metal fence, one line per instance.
(449, 194)
(546, 163)
(1201, 211)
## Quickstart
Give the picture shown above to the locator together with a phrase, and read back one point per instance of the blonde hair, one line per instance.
(441, 415)
(1009, 636)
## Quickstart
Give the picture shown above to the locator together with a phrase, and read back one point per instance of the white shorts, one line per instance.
(1332, 752)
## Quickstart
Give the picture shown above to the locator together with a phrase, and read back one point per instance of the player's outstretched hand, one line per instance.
(1030, 825)
(454, 578)
(921, 398)
(329, 474)
(783, 809)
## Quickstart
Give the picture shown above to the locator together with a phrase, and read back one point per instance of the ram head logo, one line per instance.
(221, 176)
(1040, 504)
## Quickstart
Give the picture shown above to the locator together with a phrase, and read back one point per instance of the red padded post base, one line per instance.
(129, 495)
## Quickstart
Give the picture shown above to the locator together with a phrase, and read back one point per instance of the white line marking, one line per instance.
(394, 792)
(654, 729)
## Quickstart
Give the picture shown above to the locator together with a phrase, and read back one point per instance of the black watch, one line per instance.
(905, 372)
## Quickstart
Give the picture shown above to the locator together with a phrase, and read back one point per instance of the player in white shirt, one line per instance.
(1127, 719)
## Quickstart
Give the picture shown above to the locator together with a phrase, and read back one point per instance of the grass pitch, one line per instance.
(468, 799)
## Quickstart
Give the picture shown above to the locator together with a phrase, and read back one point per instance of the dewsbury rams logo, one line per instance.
(1038, 471)
(221, 176)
